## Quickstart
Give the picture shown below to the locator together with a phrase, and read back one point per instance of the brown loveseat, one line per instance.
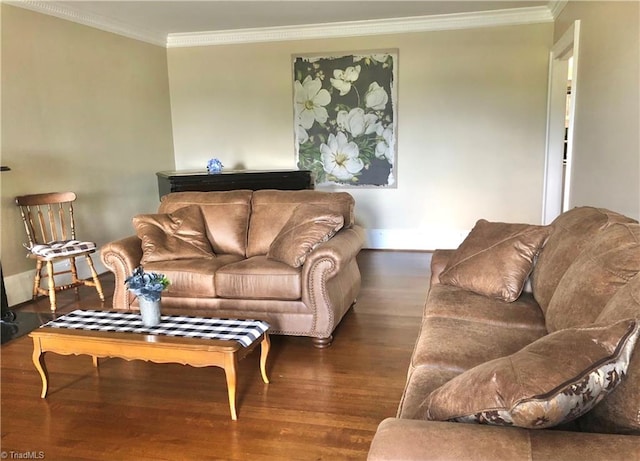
(287, 257)
(534, 360)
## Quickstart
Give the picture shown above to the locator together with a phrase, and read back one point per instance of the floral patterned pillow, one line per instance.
(552, 381)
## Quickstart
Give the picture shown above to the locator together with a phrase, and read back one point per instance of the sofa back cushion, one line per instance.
(271, 209)
(619, 412)
(603, 267)
(225, 214)
(572, 232)
(171, 236)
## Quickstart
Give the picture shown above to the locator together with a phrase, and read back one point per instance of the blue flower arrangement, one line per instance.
(146, 285)
(214, 166)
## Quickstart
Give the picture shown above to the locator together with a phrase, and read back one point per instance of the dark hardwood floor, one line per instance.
(320, 404)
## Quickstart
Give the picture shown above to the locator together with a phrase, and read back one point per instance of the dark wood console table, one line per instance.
(200, 180)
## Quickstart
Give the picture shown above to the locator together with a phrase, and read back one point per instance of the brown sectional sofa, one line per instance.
(585, 279)
(245, 276)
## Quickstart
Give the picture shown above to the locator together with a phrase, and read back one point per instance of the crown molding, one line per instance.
(556, 7)
(514, 16)
(505, 17)
(91, 20)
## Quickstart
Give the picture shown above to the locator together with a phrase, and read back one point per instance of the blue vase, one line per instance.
(214, 166)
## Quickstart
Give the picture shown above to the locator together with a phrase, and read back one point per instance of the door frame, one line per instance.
(557, 177)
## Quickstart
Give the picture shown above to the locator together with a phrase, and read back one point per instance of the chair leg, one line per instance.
(74, 275)
(52, 286)
(96, 280)
(36, 279)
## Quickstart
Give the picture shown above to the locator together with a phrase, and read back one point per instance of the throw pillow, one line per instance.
(308, 226)
(549, 382)
(171, 236)
(495, 259)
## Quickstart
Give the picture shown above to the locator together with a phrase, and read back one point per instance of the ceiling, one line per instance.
(159, 19)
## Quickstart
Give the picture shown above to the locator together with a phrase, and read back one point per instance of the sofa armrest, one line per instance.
(340, 249)
(411, 440)
(439, 261)
(331, 280)
(121, 257)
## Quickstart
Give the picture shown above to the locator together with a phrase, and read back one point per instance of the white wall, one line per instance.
(82, 110)
(471, 124)
(606, 149)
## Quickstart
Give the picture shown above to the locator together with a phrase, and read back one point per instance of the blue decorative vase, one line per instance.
(214, 166)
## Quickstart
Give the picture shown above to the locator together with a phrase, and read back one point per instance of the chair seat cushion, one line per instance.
(61, 248)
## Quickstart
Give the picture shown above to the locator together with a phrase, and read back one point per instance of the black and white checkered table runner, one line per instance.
(243, 331)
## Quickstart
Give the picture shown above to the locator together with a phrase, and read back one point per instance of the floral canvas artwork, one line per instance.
(345, 117)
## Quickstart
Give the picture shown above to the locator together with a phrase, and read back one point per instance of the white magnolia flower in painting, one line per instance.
(344, 78)
(310, 99)
(301, 135)
(383, 147)
(376, 97)
(357, 122)
(381, 58)
(341, 157)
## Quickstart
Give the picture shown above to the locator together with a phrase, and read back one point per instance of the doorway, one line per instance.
(561, 103)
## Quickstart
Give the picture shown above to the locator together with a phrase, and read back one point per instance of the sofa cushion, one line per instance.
(225, 213)
(421, 381)
(612, 259)
(619, 412)
(259, 278)
(572, 232)
(495, 259)
(271, 209)
(169, 236)
(191, 278)
(308, 227)
(457, 303)
(460, 344)
(549, 382)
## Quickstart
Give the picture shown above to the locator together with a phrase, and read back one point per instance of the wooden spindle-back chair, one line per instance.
(50, 226)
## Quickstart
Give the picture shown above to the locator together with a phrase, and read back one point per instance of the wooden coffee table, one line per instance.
(143, 344)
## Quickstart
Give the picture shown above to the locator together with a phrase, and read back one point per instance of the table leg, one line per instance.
(264, 352)
(95, 361)
(38, 361)
(230, 363)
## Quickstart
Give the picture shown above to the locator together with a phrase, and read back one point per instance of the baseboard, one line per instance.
(414, 239)
(20, 286)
